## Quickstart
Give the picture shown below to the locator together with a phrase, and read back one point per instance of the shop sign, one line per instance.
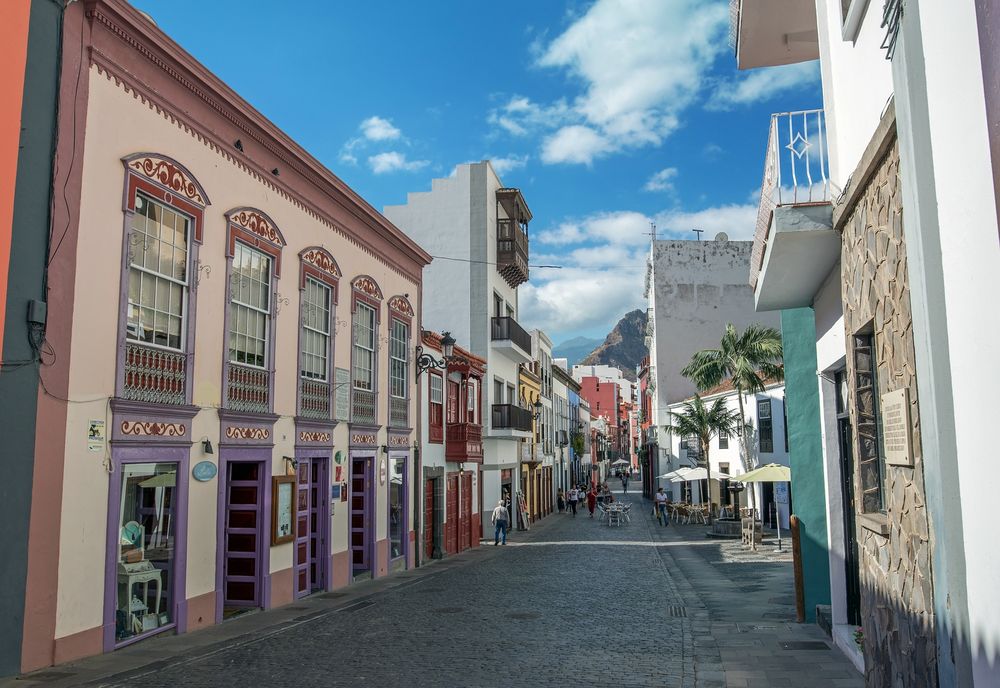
(204, 471)
(95, 436)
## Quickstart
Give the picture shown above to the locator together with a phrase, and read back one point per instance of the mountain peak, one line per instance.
(625, 345)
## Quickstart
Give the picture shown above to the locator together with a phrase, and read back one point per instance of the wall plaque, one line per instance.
(204, 471)
(342, 394)
(896, 427)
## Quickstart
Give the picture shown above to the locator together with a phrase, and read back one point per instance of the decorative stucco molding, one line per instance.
(367, 285)
(258, 223)
(169, 174)
(401, 305)
(322, 260)
(152, 429)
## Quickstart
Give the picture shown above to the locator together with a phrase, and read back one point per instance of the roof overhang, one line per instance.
(802, 247)
(775, 32)
(514, 204)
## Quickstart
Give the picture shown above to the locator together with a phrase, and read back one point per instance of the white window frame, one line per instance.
(141, 270)
(323, 335)
(261, 310)
(399, 367)
(371, 348)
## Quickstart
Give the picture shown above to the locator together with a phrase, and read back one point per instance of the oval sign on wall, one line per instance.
(204, 470)
(382, 472)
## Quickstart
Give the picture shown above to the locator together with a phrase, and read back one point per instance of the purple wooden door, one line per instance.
(312, 515)
(360, 491)
(303, 531)
(244, 518)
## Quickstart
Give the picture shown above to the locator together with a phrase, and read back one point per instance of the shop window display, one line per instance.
(397, 516)
(146, 538)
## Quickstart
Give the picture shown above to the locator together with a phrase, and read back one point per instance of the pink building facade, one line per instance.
(230, 335)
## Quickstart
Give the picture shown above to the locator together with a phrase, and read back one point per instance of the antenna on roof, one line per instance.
(698, 232)
(652, 230)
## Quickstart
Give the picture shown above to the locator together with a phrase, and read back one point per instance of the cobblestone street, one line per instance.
(551, 605)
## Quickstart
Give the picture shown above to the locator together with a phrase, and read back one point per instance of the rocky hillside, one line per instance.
(624, 347)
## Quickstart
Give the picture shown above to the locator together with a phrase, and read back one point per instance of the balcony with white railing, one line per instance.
(767, 33)
(795, 245)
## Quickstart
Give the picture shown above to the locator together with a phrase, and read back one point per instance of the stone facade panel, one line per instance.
(897, 598)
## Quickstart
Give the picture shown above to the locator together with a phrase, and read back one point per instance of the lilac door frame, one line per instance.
(370, 499)
(322, 455)
(405, 537)
(123, 456)
(227, 455)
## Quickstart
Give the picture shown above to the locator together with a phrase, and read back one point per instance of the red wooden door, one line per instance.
(451, 525)
(428, 518)
(466, 519)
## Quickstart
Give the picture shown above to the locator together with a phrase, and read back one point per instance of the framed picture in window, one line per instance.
(282, 516)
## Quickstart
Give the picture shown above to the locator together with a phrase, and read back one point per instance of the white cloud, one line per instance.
(662, 180)
(376, 128)
(762, 84)
(603, 259)
(393, 161)
(641, 64)
(574, 144)
(512, 162)
(737, 220)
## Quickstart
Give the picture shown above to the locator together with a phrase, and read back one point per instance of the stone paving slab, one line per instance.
(640, 605)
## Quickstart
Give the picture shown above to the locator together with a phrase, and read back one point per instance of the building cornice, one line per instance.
(306, 183)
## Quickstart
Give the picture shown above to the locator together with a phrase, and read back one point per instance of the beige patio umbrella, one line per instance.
(770, 473)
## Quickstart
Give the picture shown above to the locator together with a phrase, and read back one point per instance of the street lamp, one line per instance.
(426, 361)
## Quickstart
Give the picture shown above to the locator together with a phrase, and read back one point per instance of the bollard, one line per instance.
(800, 593)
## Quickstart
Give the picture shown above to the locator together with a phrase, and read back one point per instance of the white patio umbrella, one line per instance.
(691, 474)
(620, 462)
(671, 474)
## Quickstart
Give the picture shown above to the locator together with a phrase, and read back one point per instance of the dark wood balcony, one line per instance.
(464, 442)
(512, 252)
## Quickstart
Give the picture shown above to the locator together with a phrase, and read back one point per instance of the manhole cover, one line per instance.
(804, 645)
(524, 616)
(331, 595)
(449, 610)
(749, 628)
(676, 611)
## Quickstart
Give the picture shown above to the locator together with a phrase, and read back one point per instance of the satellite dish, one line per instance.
(722, 236)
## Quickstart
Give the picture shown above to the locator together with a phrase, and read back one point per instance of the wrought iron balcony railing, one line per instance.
(399, 412)
(508, 328)
(510, 417)
(314, 399)
(796, 172)
(248, 389)
(154, 375)
(363, 410)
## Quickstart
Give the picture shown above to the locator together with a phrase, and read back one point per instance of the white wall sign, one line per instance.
(781, 493)
(342, 394)
(95, 436)
(896, 427)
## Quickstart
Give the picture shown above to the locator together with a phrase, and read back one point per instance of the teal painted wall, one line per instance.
(805, 445)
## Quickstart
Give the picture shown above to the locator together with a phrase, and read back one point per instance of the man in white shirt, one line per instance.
(661, 507)
(574, 497)
(500, 518)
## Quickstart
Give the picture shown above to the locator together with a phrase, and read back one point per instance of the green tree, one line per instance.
(704, 422)
(746, 360)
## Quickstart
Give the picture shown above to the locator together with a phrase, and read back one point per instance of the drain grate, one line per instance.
(448, 610)
(331, 595)
(357, 606)
(46, 676)
(524, 616)
(677, 611)
(804, 645)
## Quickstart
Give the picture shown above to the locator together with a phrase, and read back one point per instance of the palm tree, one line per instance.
(746, 360)
(698, 420)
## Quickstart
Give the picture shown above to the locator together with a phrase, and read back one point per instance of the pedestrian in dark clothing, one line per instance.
(561, 501)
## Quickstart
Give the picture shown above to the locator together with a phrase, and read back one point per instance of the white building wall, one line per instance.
(857, 84)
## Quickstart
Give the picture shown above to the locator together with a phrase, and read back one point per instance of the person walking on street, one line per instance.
(592, 501)
(574, 497)
(661, 507)
(561, 500)
(624, 483)
(500, 518)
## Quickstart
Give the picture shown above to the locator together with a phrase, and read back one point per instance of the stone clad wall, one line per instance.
(897, 604)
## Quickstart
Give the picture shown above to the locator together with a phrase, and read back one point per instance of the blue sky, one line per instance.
(607, 114)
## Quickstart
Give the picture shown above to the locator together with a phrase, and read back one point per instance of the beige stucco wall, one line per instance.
(118, 125)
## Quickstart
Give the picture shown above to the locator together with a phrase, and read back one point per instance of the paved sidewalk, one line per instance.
(639, 605)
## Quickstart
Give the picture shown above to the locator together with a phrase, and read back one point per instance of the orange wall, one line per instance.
(13, 52)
